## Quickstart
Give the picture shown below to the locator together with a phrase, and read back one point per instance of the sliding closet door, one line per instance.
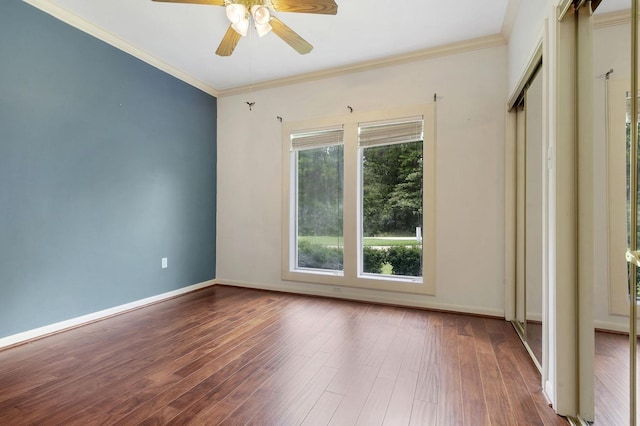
(633, 255)
(534, 232)
(572, 216)
(530, 165)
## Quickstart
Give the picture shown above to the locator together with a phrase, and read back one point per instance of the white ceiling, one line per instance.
(185, 36)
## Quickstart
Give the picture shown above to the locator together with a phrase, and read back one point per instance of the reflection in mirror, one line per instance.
(629, 161)
(520, 220)
(529, 216)
(612, 123)
(533, 213)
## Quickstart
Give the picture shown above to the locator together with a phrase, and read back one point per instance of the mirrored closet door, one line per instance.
(529, 215)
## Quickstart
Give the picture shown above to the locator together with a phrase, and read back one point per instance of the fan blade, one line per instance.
(211, 2)
(289, 36)
(228, 43)
(325, 7)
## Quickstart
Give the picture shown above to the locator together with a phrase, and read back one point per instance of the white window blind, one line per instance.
(317, 138)
(391, 132)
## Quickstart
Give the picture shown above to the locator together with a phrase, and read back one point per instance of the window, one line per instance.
(618, 147)
(319, 158)
(391, 190)
(628, 161)
(358, 200)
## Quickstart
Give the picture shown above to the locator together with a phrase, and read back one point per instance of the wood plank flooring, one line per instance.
(612, 380)
(232, 356)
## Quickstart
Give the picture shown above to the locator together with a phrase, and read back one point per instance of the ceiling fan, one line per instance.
(240, 12)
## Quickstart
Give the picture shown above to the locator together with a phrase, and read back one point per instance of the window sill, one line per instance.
(372, 282)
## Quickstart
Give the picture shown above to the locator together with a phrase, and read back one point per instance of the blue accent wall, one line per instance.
(107, 165)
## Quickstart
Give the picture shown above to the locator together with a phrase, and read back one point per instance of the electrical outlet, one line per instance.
(164, 263)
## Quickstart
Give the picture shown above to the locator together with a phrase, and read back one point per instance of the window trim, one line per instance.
(350, 276)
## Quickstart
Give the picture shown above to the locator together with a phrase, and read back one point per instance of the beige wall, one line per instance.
(527, 32)
(469, 175)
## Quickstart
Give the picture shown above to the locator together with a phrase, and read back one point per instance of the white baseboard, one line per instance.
(548, 392)
(613, 326)
(346, 293)
(534, 317)
(355, 294)
(96, 316)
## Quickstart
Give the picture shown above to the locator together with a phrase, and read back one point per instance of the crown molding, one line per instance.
(612, 18)
(420, 55)
(109, 38)
(509, 18)
(75, 21)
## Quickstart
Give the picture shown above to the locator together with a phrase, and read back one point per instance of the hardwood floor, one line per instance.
(612, 380)
(234, 356)
(534, 338)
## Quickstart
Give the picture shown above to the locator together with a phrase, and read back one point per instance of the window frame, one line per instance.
(351, 275)
(362, 147)
(295, 187)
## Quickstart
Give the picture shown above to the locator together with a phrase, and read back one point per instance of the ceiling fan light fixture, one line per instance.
(241, 27)
(236, 12)
(263, 29)
(261, 14)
